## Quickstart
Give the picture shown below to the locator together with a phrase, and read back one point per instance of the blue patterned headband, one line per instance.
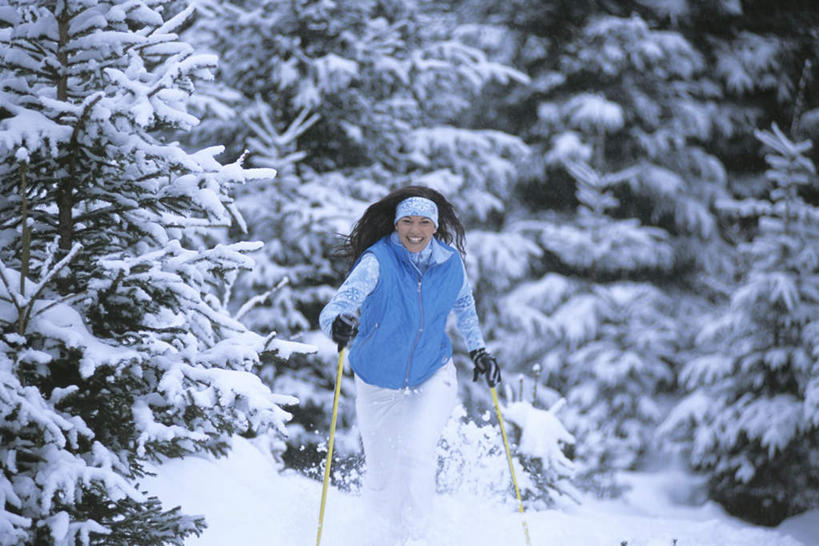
(417, 206)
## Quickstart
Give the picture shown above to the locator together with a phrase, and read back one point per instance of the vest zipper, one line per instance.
(369, 337)
(417, 335)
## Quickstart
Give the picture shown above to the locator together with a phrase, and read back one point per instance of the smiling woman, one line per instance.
(392, 310)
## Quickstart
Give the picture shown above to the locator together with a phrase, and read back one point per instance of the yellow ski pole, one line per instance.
(511, 467)
(330, 444)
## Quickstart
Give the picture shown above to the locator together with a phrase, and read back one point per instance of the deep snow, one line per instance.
(248, 500)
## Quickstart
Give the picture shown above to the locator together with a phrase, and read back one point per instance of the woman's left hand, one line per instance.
(485, 364)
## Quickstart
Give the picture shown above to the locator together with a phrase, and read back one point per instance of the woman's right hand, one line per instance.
(345, 327)
(485, 364)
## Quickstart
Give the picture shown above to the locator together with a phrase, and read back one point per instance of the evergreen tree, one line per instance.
(634, 94)
(674, 88)
(758, 52)
(751, 418)
(607, 345)
(117, 348)
(615, 195)
(609, 199)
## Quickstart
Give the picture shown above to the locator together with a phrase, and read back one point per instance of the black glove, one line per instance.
(345, 327)
(487, 365)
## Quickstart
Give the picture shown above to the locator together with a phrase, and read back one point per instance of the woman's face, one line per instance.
(415, 232)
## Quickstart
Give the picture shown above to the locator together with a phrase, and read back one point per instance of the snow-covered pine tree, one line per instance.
(607, 343)
(758, 56)
(612, 241)
(611, 343)
(604, 334)
(116, 348)
(648, 95)
(347, 100)
(751, 419)
(612, 73)
(691, 79)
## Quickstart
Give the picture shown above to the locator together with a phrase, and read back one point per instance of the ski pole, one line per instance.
(330, 444)
(511, 467)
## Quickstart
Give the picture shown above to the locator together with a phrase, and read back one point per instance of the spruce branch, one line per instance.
(260, 299)
(268, 340)
(50, 250)
(19, 304)
(170, 26)
(40, 286)
(53, 303)
(266, 140)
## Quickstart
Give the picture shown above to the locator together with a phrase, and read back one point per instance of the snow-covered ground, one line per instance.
(248, 501)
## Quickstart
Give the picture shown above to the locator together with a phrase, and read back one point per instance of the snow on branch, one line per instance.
(334, 73)
(25, 303)
(231, 387)
(32, 130)
(532, 304)
(542, 435)
(172, 24)
(791, 156)
(592, 112)
(260, 298)
(777, 287)
(274, 147)
(501, 257)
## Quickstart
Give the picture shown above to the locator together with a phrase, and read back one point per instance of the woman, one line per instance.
(392, 312)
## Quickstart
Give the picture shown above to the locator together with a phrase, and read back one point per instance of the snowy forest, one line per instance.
(637, 179)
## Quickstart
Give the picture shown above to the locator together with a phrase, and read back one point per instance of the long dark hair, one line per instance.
(379, 220)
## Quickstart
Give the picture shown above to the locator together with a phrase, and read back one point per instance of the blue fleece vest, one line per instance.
(402, 337)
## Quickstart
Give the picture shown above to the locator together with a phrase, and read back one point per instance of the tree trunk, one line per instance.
(65, 198)
(25, 251)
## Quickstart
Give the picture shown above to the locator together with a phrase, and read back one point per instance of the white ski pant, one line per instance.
(400, 430)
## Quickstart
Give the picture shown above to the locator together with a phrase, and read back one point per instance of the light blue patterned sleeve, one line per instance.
(466, 317)
(351, 294)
